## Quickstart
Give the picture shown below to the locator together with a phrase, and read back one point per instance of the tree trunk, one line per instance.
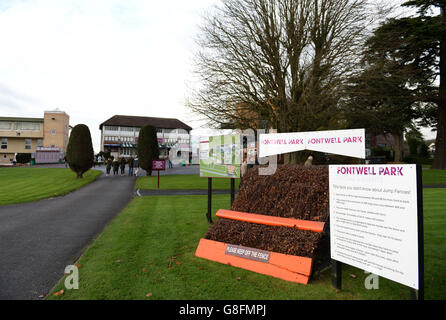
(397, 147)
(79, 175)
(440, 141)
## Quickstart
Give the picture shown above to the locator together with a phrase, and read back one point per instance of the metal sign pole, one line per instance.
(336, 274)
(419, 294)
(208, 214)
(232, 190)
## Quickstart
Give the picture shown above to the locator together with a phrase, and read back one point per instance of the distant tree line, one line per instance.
(314, 65)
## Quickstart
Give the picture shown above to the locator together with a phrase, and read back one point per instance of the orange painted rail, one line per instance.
(271, 220)
(282, 266)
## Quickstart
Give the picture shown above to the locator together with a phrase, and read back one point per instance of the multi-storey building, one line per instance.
(119, 136)
(33, 135)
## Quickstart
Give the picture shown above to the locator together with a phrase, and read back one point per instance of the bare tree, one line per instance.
(278, 63)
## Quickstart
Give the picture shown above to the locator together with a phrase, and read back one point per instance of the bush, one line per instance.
(418, 160)
(382, 152)
(23, 157)
(147, 148)
(80, 153)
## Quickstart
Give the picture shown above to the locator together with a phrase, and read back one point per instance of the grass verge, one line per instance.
(434, 176)
(149, 250)
(430, 177)
(187, 181)
(21, 185)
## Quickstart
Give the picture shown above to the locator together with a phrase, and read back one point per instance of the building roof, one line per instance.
(56, 111)
(134, 121)
(21, 119)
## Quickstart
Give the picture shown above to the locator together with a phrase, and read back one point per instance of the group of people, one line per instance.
(121, 164)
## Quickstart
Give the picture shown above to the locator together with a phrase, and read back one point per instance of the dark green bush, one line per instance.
(148, 149)
(23, 157)
(382, 152)
(418, 160)
(80, 153)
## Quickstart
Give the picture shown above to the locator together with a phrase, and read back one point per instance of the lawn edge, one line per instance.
(58, 196)
(82, 251)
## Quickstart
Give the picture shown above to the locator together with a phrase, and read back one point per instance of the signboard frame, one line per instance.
(220, 156)
(219, 167)
(415, 293)
(158, 168)
(349, 142)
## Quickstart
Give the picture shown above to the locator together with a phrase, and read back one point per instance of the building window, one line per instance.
(129, 129)
(5, 125)
(28, 144)
(4, 143)
(111, 128)
(31, 126)
(53, 132)
(40, 142)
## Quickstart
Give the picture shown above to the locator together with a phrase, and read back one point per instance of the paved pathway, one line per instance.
(39, 239)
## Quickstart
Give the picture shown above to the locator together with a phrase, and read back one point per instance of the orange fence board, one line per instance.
(271, 220)
(286, 267)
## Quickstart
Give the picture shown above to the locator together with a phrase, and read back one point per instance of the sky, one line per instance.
(97, 58)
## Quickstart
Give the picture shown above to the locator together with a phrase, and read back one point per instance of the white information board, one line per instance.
(374, 219)
(344, 142)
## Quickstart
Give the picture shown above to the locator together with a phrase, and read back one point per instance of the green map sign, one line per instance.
(220, 156)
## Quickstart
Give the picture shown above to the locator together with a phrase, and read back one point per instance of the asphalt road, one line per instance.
(39, 239)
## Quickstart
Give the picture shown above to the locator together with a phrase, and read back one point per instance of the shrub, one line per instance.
(147, 148)
(80, 153)
(23, 157)
(418, 160)
(382, 152)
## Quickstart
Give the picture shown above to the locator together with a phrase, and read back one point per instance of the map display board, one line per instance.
(220, 156)
(374, 219)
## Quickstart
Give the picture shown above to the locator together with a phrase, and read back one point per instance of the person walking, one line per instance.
(131, 166)
(123, 162)
(136, 163)
(115, 167)
(108, 166)
(169, 163)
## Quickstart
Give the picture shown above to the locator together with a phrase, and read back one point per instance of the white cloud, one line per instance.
(97, 58)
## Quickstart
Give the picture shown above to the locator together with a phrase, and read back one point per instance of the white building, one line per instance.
(119, 136)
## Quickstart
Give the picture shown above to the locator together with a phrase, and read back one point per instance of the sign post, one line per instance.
(232, 190)
(336, 274)
(159, 165)
(220, 157)
(209, 213)
(376, 222)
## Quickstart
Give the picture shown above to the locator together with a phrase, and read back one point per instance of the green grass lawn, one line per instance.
(150, 246)
(433, 176)
(190, 181)
(20, 185)
(187, 181)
